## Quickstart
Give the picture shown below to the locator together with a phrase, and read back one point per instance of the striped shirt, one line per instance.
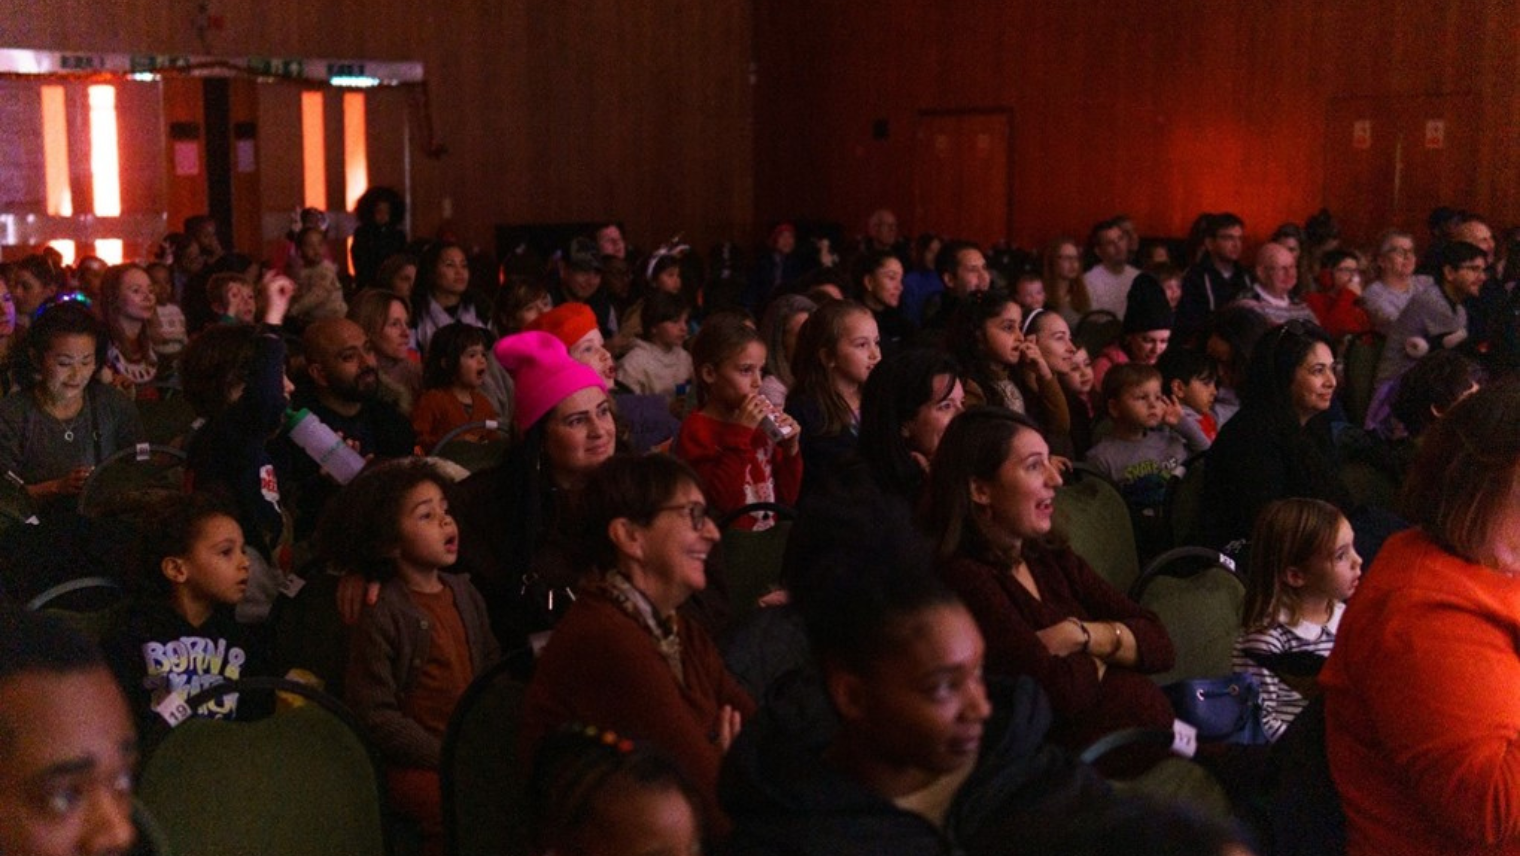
(1279, 702)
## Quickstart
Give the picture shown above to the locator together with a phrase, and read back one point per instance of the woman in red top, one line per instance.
(1043, 610)
(1421, 712)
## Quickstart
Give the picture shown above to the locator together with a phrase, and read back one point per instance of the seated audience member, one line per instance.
(1216, 279)
(899, 745)
(1232, 338)
(1043, 611)
(342, 389)
(1273, 295)
(1028, 292)
(1303, 568)
(61, 422)
(1065, 289)
(231, 298)
(1189, 377)
(1080, 390)
(740, 456)
(776, 267)
(778, 330)
(398, 274)
(319, 295)
(1279, 444)
(1338, 305)
(921, 282)
(1147, 329)
(1434, 318)
(1397, 282)
(383, 316)
(442, 294)
(878, 281)
(1171, 283)
(580, 281)
(166, 330)
(379, 237)
(520, 300)
(510, 516)
(180, 635)
(126, 306)
(35, 280)
(1052, 335)
(1109, 280)
(417, 649)
(1143, 452)
(623, 655)
(1000, 367)
(657, 364)
(662, 274)
(574, 324)
(1433, 386)
(836, 350)
(68, 754)
(234, 378)
(907, 403)
(596, 791)
(1419, 722)
(453, 373)
(963, 270)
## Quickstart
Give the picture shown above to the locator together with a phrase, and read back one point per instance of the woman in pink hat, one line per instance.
(509, 516)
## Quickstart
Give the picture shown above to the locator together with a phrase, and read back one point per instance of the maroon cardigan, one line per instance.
(601, 668)
(1086, 707)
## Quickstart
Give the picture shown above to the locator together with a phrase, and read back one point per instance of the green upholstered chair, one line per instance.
(484, 782)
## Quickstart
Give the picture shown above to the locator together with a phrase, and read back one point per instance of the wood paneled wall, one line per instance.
(552, 110)
(1157, 109)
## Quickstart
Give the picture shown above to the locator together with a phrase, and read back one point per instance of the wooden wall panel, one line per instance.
(551, 109)
(1160, 110)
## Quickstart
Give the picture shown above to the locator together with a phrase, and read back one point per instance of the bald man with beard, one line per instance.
(341, 389)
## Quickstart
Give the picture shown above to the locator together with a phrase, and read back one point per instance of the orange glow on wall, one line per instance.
(109, 250)
(55, 153)
(313, 150)
(65, 248)
(355, 155)
(105, 163)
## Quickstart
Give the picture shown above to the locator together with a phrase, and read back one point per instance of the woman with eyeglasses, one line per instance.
(623, 657)
(1397, 282)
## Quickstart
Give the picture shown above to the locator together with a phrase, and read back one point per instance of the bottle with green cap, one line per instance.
(323, 445)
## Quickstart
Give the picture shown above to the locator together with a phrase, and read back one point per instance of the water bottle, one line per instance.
(323, 445)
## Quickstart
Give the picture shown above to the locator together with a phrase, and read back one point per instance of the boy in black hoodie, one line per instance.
(181, 636)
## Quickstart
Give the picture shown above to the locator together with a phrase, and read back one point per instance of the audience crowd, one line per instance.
(551, 454)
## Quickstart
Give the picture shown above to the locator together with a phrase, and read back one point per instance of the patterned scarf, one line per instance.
(616, 588)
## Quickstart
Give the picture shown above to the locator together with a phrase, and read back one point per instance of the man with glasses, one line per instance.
(1272, 296)
(1216, 279)
(1435, 317)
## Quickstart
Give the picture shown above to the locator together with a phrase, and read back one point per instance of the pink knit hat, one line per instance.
(543, 374)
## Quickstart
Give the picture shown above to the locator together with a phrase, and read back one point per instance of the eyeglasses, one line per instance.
(1407, 252)
(696, 511)
(1475, 267)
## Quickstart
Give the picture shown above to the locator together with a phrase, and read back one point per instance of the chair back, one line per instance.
(475, 446)
(308, 631)
(484, 781)
(131, 481)
(752, 560)
(1307, 817)
(1184, 501)
(16, 506)
(302, 782)
(1092, 516)
(1198, 598)
(1371, 485)
(1360, 357)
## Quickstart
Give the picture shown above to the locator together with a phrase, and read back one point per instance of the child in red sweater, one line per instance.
(744, 449)
(452, 375)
